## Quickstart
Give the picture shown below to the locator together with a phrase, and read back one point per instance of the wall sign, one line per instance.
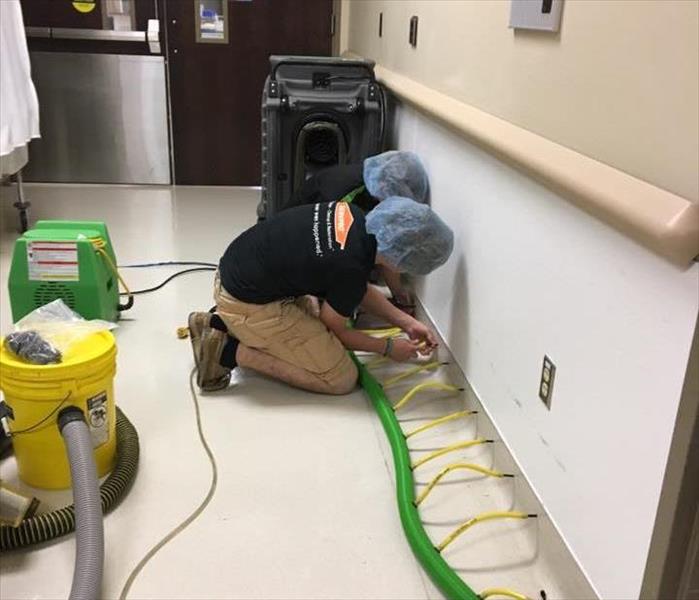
(211, 18)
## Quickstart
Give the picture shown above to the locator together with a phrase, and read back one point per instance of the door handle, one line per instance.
(38, 32)
(151, 36)
(106, 35)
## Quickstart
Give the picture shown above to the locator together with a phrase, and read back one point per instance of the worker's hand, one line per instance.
(422, 334)
(404, 349)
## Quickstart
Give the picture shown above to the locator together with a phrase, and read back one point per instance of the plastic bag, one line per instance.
(30, 346)
(47, 333)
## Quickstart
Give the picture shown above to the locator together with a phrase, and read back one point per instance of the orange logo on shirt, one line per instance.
(343, 223)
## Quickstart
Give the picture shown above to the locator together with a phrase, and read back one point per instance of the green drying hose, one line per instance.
(443, 576)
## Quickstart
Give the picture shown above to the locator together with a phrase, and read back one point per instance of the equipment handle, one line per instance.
(299, 61)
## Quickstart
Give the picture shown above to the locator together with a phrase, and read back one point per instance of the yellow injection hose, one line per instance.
(447, 449)
(99, 245)
(487, 516)
(375, 362)
(410, 372)
(456, 467)
(440, 421)
(385, 332)
(504, 592)
(428, 385)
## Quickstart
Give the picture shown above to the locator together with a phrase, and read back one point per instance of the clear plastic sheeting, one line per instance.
(47, 333)
(396, 173)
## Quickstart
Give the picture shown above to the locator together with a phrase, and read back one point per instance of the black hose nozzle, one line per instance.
(68, 415)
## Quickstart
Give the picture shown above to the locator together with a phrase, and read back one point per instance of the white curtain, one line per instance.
(19, 107)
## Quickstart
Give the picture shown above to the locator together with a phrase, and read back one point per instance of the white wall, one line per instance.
(619, 83)
(533, 275)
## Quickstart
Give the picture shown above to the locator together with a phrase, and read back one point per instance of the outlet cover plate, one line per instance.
(548, 375)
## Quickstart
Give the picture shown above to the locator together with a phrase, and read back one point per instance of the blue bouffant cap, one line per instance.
(409, 235)
(396, 173)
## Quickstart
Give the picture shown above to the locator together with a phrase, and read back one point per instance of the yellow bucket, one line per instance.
(37, 393)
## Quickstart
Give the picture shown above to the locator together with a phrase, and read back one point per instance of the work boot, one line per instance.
(197, 322)
(211, 376)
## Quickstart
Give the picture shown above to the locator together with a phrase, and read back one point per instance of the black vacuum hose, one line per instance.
(57, 523)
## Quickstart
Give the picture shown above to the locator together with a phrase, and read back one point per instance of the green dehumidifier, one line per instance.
(70, 260)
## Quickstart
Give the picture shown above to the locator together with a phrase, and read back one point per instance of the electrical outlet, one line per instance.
(548, 374)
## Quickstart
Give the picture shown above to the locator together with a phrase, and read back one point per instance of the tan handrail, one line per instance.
(664, 222)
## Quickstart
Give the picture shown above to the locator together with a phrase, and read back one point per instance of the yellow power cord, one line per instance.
(504, 592)
(456, 467)
(197, 511)
(447, 449)
(428, 385)
(487, 516)
(99, 245)
(440, 421)
(405, 374)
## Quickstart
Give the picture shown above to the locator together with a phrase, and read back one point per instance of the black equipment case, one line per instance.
(316, 112)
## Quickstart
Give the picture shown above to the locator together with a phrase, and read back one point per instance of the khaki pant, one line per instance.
(286, 330)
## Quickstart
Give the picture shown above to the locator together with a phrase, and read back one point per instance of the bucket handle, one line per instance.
(38, 424)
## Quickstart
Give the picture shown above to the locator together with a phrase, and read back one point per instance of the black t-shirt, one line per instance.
(333, 184)
(321, 249)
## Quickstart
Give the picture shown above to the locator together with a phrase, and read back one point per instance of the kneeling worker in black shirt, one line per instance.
(262, 319)
(365, 184)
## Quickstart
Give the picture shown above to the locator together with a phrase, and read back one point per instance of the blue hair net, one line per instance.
(410, 236)
(396, 173)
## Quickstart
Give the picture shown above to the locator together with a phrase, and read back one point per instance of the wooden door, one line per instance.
(216, 88)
